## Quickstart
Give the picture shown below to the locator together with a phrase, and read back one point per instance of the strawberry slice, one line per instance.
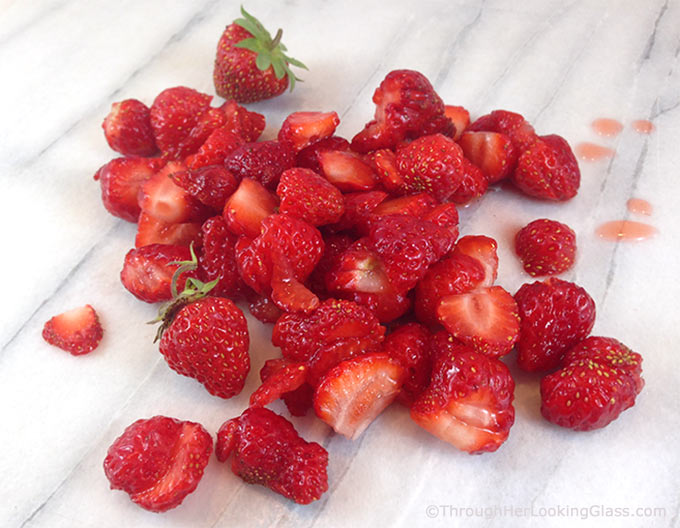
(483, 249)
(417, 205)
(77, 331)
(353, 393)
(492, 152)
(487, 319)
(150, 230)
(279, 376)
(346, 171)
(384, 163)
(301, 129)
(288, 293)
(220, 143)
(358, 269)
(460, 117)
(248, 207)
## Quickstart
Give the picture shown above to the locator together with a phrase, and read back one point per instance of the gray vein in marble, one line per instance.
(652, 38)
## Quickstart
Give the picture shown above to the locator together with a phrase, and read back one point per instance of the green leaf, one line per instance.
(253, 25)
(263, 61)
(297, 63)
(280, 67)
(250, 44)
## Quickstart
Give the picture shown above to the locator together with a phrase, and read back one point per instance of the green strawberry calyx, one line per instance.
(270, 51)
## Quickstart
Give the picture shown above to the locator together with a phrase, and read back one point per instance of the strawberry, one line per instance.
(298, 401)
(220, 143)
(263, 162)
(354, 392)
(306, 195)
(247, 208)
(513, 125)
(211, 185)
(483, 249)
(409, 344)
(492, 152)
(548, 170)
(444, 215)
(128, 129)
(147, 272)
(206, 339)
(416, 205)
(346, 170)
(469, 400)
(120, 181)
(460, 117)
(456, 273)
(387, 305)
(150, 230)
(599, 379)
(263, 309)
(485, 319)
(249, 125)
(158, 461)
(358, 207)
(77, 331)
(308, 156)
(555, 315)
(288, 293)
(277, 379)
(266, 450)
(384, 164)
(407, 107)
(301, 129)
(250, 65)
(216, 259)
(334, 246)
(431, 164)
(472, 186)
(546, 247)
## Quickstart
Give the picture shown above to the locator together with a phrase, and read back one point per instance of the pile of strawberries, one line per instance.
(351, 249)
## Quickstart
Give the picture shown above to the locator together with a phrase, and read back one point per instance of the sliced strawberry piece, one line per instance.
(285, 376)
(308, 156)
(358, 207)
(298, 401)
(220, 143)
(444, 215)
(263, 162)
(384, 164)
(473, 184)
(211, 185)
(263, 309)
(386, 306)
(513, 125)
(417, 205)
(128, 129)
(346, 171)
(301, 129)
(334, 246)
(410, 345)
(492, 152)
(306, 195)
(120, 181)
(150, 230)
(358, 269)
(249, 125)
(248, 207)
(352, 394)
(460, 117)
(483, 249)
(487, 319)
(288, 293)
(77, 331)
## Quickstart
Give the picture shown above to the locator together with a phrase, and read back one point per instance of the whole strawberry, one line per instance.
(250, 64)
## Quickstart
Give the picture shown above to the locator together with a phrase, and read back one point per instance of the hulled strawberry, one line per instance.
(158, 461)
(308, 156)
(128, 129)
(263, 162)
(251, 65)
(510, 124)
(546, 247)
(410, 345)
(216, 258)
(246, 209)
(346, 171)
(211, 185)
(484, 250)
(151, 230)
(302, 129)
(306, 195)
(77, 331)
(460, 118)
(492, 152)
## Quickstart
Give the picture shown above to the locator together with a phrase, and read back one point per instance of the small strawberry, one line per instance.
(264, 162)
(150, 230)
(410, 345)
(384, 164)
(158, 461)
(599, 379)
(354, 392)
(302, 129)
(460, 117)
(77, 331)
(483, 249)
(546, 247)
(513, 125)
(306, 195)
(247, 208)
(128, 129)
(220, 143)
(555, 315)
(308, 156)
(346, 170)
(407, 107)
(431, 164)
(211, 185)
(250, 65)
(472, 186)
(216, 259)
(267, 450)
(492, 152)
(548, 170)
(120, 181)
(469, 400)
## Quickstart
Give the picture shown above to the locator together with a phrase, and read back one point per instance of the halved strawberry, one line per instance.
(384, 163)
(473, 184)
(410, 345)
(77, 331)
(301, 129)
(249, 125)
(306, 195)
(358, 269)
(286, 376)
(513, 125)
(460, 117)
(346, 170)
(492, 152)
(220, 143)
(211, 185)
(417, 205)
(288, 293)
(308, 156)
(353, 393)
(248, 207)
(482, 248)
(487, 319)
(150, 230)
(128, 129)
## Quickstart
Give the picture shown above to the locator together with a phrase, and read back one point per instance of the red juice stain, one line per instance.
(626, 231)
(592, 152)
(642, 126)
(606, 126)
(639, 206)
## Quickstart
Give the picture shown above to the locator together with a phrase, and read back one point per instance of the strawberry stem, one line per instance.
(277, 39)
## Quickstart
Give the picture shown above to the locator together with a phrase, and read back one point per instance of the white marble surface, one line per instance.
(561, 64)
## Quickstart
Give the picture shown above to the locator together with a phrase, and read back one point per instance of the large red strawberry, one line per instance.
(251, 65)
(158, 461)
(77, 331)
(128, 129)
(267, 450)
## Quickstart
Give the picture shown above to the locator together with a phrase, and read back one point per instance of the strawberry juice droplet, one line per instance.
(592, 152)
(626, 231)
(605, 126)
(642, 126)
(639, 206)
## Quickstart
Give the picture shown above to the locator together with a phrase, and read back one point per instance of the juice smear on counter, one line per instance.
(605, 126)
(639, 206)
(592, 152)
(626, 230)
(642, 126)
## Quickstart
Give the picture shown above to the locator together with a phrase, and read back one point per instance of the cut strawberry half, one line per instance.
(483, 249)
(286, 376)
(346, 170)
(77, 331)
(150, 230)
(288, 293)
(384, 163)
(492, 152)
(301, 129)
(417, 205)
(358, 269)
(460, 117)
(487, 319)
(248, 207)
(353, 393)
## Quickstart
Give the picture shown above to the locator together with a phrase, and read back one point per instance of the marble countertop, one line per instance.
(560, 63)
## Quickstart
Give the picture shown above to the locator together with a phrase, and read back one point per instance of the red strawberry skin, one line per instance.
(492, 152)
(410, 345)
(264, 162)
(220, 143)
(77, 331)
(546, 247)
(472, 186)
(306, 195)
(158, 461)
(267, 450)
(208, 340)
(217, 260)
(211, 185)
(555, 315)
(302, 129)
(599, 379)
(308, 157)
(150, 230)
(128, 129)
(510, 124)
(298, 401)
